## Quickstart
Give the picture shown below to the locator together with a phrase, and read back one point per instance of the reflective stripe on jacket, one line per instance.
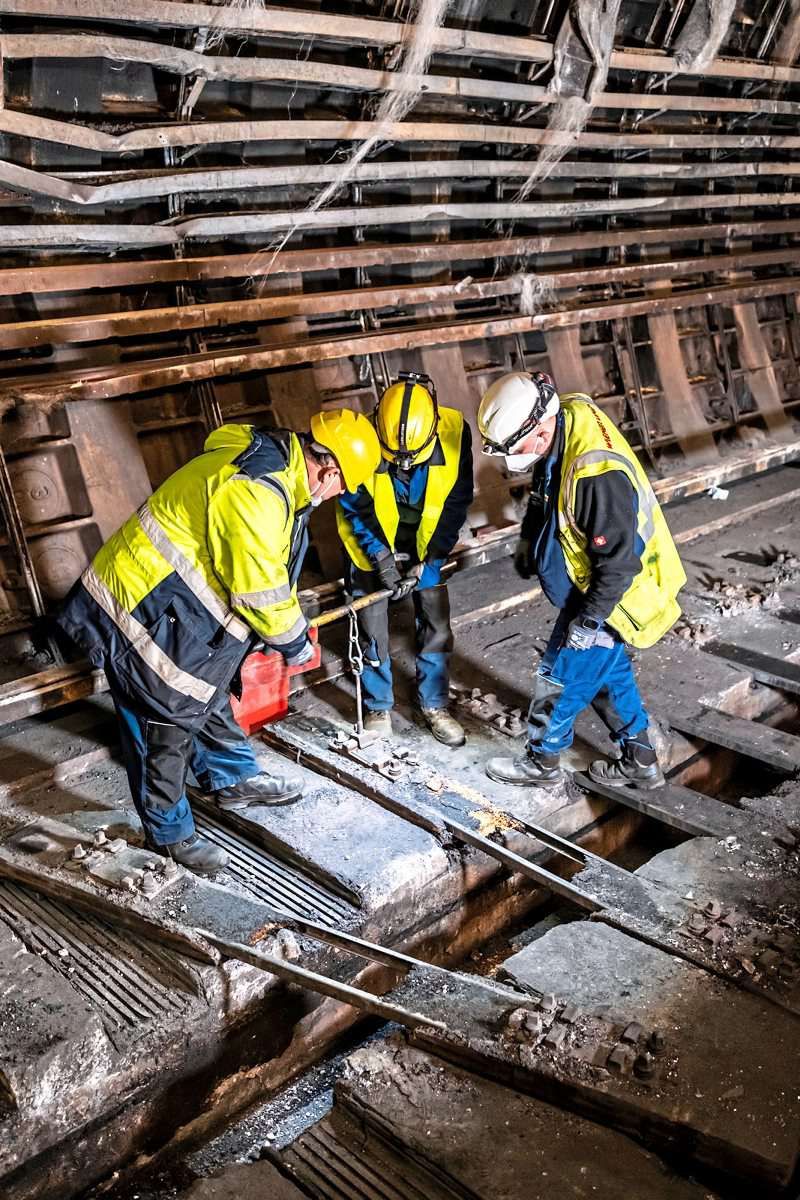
(177, 597)
(377, 496)
(592, 446)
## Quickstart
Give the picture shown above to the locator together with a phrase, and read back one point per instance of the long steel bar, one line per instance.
(321, 984)
(241, 69)
(338, 27)
(110, 275)
(149, 137)
(129, 378)
(368, 950)
(85, 234)
(516, 863)
(100, 326)
(76, 189)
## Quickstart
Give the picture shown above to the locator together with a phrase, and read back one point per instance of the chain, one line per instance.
(355, 660)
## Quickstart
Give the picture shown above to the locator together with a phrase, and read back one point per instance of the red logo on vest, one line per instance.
(598, 540)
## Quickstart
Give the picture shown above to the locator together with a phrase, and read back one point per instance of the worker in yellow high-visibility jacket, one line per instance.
(596, 537)
(398, 529)
(174, 601)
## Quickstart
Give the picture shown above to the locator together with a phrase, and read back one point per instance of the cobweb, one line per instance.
(419, 44)
(700, 39)
(217, 33)
(594, 22)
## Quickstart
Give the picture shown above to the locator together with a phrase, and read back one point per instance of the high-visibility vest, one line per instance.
(176, 598)
(592, 446)
(440, 482)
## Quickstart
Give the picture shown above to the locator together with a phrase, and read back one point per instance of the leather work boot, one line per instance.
(263, 789)
(195, 853)
(637, 767)
(528, 770)
(444, 727)
(379, 723)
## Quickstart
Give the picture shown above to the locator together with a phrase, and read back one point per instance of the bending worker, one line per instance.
(398, 529)
(596, 537)
(202, 574)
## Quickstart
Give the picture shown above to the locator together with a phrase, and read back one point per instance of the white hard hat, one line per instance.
(512, 408)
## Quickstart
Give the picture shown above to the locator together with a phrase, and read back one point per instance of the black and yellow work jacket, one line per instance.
(205, 570)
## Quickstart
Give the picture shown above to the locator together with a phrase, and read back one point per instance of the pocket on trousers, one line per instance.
(166, 757)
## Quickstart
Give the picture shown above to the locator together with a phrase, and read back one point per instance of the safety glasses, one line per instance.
(490, 447)
(547, 390)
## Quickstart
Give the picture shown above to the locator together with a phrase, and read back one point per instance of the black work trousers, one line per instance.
(433, 643)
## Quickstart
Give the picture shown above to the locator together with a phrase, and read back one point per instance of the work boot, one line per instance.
(531, 769)
(379, 723)
(444, 727)
(637, 767)
(195, 853)
(263, 790)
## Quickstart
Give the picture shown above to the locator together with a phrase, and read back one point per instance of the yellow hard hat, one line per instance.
(406, 418)
(351, 440)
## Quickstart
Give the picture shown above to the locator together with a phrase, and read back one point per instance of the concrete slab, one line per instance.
(441, 789)
(492, 1141)
(720, 1090)
(52, 1047)
(346, 841)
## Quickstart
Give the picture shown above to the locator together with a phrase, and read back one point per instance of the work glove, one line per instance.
(585, 632)
(522, 559)
(388, 573)
(303, 655)
(407, 584)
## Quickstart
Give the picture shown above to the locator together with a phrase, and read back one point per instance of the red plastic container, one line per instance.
(265, 687)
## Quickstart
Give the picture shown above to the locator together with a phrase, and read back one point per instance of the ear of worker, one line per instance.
(207, 570)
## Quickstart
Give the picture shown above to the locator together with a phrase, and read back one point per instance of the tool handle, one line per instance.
(336, 614)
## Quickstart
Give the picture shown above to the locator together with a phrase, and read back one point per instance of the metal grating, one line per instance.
(330, 1168)
(272, 880)
(129, 981)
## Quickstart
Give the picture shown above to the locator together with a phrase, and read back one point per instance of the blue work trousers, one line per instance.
(567, 681)
(158, 757)
(433, 639)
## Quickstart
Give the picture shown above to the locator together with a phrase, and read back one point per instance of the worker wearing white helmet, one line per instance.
(597, 539)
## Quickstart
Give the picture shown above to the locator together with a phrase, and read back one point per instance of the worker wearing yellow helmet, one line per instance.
(398, 528)
(175, 600)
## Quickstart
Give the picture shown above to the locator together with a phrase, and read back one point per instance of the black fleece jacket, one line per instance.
(606, 511)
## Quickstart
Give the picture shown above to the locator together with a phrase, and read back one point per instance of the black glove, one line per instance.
(388, 572)
(407, 583)
(522, 559)
(303, 655)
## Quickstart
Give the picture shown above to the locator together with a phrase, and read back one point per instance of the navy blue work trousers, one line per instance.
(567, 681)
(158, 757)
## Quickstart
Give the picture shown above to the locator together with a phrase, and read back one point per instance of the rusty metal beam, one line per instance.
(240, 69)
(209, 133)
(255, 21)
(130, 378)
(104, 326)
(38, 280)
(79, 235)
(352, 31)
(70, 187)
(75, 187)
